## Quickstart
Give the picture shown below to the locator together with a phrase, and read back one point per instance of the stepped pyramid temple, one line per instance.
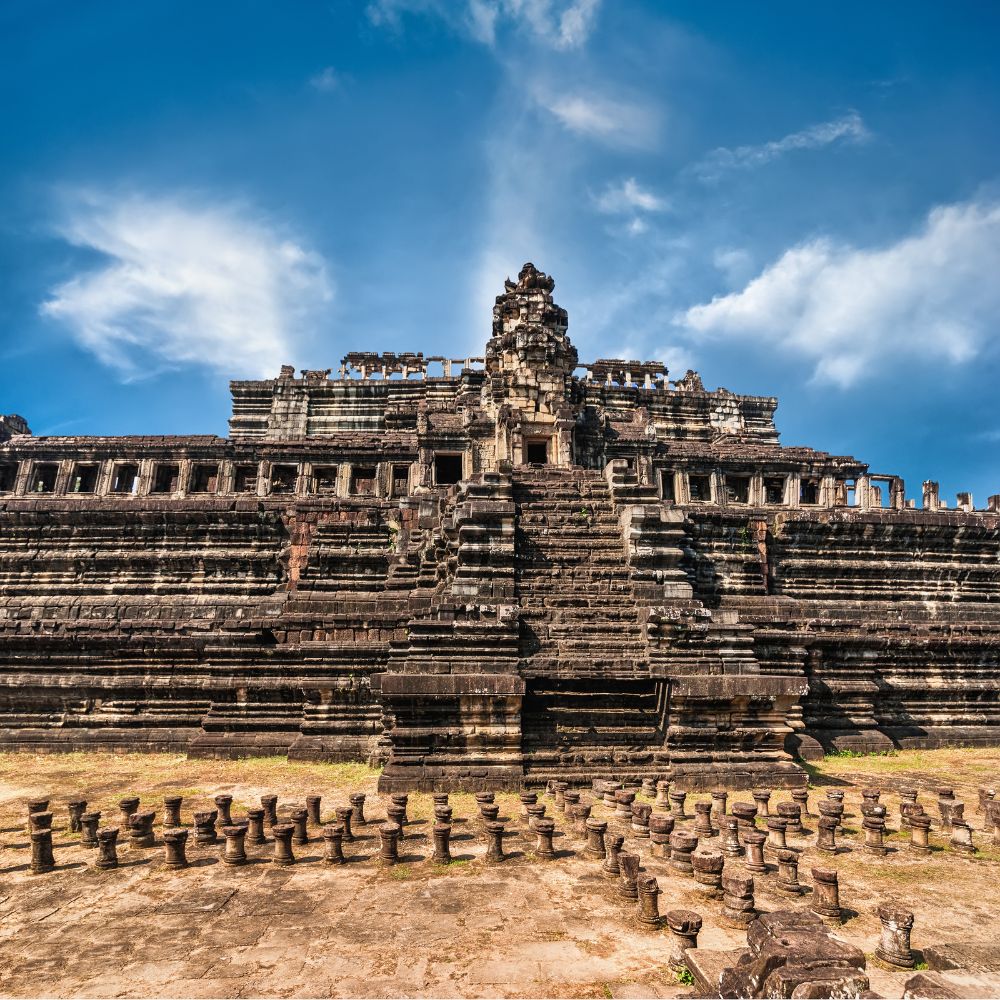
(488, 573)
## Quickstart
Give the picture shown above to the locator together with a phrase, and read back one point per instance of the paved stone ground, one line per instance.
(524, 928)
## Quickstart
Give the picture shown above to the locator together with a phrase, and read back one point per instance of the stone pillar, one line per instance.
(127, 807)
(791, 813)
(172, 812)
(719, 801)
(677, 798)
(224, 805)
(961, 837)
(558, 791)
(682, 844)
(662, 795)
(800, 796)
(527, 799)
(649, 787)
(788, 871)
(36, 806)
(42, 859)
(762, 798)
(985, 796)
(611, 868)
(992, 821)
(140, 829)
(490, 814)
(623, 805)
(357, 801)
(76, 810)
(596, 829)
(400, 801)
(628, 874)
(333, 844)
(255, 827)
(610, 788)
(731, 838)
(684, 927)
(703, 820)
(443, 814)
(660, 828)
(313, 803)
(345, 815)
(894, 946)
(88, 829)
(907, 800)
(270, 806)
(746, 815)
(535, 813)
(40, 821)
(640, 819)
(494, 850)
(442, 844)
(874, 827)
(870, 796)
(283, 833)
(920, 825)
(754, 842)
(580, 814)
(831, 809)
(946, 799)
(826, 895)
(826, 838)
(389, 843)
(649, 906)
(708, 866)
(107, 843)
(737, 901)
(300, 821)
(776, 834)
(932, 494)
(204, 827)
(544, 830)
(234, 852)
(174, 841)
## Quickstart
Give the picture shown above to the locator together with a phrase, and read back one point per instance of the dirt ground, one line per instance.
(527, 927)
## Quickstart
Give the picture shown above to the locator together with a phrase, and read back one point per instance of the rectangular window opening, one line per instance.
(126, 479)
(363, 480)
(667, 492)
(204, 479)
(84, 479)
(245, 479)
(166, 478)
(325, 480)
(400, 480)
(44, 478)
(284, 478)
(8, 476)
(447, 469)
(774, 489)
(700, 489)
(737, 489)
(809, 492)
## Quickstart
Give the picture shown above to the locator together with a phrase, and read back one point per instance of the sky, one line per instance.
(799, 200)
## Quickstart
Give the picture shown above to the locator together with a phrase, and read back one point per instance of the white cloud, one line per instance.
(184, 282)
(326, 81)
(628, 196)
(849, 128)
(930, 297)
(615, 123)
(557, 24)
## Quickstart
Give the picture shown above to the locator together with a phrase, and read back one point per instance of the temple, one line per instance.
(489, 572)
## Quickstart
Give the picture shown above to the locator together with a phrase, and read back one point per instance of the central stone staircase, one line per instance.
(591, 707)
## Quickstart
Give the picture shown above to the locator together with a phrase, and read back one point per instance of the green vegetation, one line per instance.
(684, 976)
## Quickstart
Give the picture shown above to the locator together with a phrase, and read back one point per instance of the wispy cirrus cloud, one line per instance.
(326, 81)
(562, 25)
(849, 128)
(184, 281)
(629, 196)
(611, 121)
(855, 312)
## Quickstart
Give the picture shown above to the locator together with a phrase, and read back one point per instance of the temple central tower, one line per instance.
(529, 365)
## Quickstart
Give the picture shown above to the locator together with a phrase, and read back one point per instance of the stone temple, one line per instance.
(488, 573)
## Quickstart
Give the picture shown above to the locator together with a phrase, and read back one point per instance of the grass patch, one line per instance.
(684, 977)
(400, 872)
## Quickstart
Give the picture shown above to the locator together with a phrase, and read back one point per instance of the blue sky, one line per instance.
(794, 199)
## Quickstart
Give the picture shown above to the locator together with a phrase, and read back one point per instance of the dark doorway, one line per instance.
(536, 452)
(447, 469)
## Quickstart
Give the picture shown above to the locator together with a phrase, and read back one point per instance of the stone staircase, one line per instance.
(591, 707)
